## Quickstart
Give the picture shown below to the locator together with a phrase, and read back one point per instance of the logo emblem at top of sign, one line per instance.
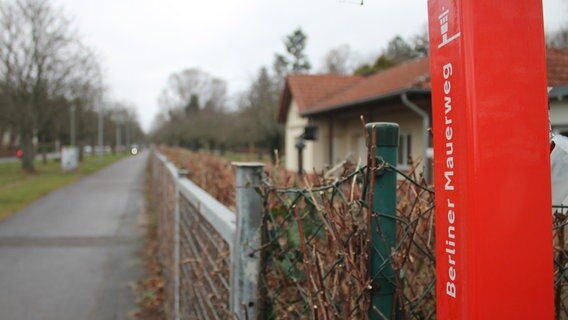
(444, 28)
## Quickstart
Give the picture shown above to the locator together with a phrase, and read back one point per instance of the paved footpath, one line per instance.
(74, 253)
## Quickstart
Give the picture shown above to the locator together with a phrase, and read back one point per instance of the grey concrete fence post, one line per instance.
(245, 266)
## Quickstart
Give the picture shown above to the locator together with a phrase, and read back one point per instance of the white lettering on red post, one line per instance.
(451, 289)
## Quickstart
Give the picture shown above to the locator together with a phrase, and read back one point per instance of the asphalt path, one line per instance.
(75, 253)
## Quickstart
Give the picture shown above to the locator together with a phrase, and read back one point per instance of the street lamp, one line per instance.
(300, 145)
(310, 134)
(101, 128)
(72, 125)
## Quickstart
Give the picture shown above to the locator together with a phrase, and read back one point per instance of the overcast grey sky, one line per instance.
(143, 41)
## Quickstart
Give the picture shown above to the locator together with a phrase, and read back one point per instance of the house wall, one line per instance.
(345, 137)
(349, 140)
(410, 124)
(342, 138)
(294, 127)
(319, 152)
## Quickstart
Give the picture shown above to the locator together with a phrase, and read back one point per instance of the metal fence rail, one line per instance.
(195, 234)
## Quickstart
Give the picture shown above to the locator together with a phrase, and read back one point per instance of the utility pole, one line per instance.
(128, 142)
(117, 136)
(72, 124)
(101, 128)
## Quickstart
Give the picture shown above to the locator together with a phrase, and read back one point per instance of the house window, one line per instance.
(404, 147)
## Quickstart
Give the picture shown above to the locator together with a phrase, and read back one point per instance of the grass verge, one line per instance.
(246, 157)
(149, 290)
(18, 188)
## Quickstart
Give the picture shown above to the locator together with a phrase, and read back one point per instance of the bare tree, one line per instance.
(558, 39)
(127, 126)
(398, 50)
(41, 58)
(257, 121)
(421, 42)
(337, 60)
(193, 107)
(4, 126)
(192, 84)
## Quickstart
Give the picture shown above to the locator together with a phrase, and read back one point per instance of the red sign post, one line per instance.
(491, 154)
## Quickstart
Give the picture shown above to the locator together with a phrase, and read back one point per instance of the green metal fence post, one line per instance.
(383, 221)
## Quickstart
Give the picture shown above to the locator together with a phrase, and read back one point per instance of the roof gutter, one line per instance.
(392, 94)
(558, 93)
(425, 126)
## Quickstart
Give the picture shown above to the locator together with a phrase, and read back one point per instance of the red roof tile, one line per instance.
(556, 66)
(308, 90)
(412, 74)
(315, 93)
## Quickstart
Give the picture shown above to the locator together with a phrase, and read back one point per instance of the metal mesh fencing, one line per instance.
(413, 257)
(209, 172)
(317, 243)
(560, 244)
(204, 267)
(165, 198)
(204, 255)
(315, 248)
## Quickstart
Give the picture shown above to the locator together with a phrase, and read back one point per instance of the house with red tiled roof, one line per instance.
(401, 94)
(557, 72)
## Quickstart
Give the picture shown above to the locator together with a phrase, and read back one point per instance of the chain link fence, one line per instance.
(560, 244)
(316, 248)
(204, 262)
(165, 202)
(194, 253)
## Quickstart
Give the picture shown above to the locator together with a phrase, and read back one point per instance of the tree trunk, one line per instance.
(12, 142)
(42, 148)
(28, 150)
(2, 131)
(80, 146)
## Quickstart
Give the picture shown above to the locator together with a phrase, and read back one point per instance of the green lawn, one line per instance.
(246, 157)
(18, 189)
